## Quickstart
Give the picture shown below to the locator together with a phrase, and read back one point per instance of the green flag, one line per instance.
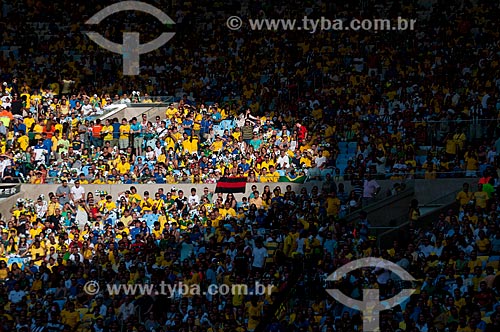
(298, 179)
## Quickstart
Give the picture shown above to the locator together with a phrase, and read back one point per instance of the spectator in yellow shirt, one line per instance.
(264, 176)
(217, 144)
(274, 175)
(483, 243)
(69, 316)
(124, 134)
(481, 197)
(37, 253)
(123, 166)
(110, 204)
(147, 202)
(464, 196)
(107, 131)
(471, 162)
(23, 140)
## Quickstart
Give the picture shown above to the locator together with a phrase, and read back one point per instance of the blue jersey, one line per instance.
(116, 130)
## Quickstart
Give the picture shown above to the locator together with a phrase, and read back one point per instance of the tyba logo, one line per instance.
(131, 49)
(370, 306)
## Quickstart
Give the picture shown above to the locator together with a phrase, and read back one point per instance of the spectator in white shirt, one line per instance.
(6, 102)
(283, 160)
(383, 275)
(87, 109)
(194, 199)
(125, 99)
(371, 188)
(259, 254)
(320, 160)
(41, 207)
(4, 162)
(426, 248)
(77, 193)
(3, 129)
(17, 294)
(127, 309)
(75, 255)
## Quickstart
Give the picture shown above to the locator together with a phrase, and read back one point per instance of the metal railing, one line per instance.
(402, 221)
(409, 188)
(151, 100)
(434, 132)
(474, 129)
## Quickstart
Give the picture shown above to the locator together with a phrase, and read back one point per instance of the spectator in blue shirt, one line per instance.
(47, 145)
(187, 124)
(206, 124)
(137, 132)
(19, 126)
(256, 142)
(158, 177)
(136, 230)
(216, 116)
(116, 131)
(72, 101)
(244, 165)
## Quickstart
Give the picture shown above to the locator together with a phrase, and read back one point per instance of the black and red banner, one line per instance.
(231, 185)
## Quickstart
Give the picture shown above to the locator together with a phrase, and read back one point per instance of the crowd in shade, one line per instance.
(267, 106)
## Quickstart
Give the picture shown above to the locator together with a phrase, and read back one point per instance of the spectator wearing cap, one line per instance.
(256, 140)
(208, 194)
(217, 144)
(147, 202)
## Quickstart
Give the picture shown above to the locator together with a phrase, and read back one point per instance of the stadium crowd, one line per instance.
(390, 106)
(298, 102)
(52, 250)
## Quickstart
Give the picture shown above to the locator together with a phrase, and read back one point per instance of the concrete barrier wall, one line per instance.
(425, 190)
(31, 191)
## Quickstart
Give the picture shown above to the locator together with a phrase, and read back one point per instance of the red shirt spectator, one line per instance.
(301, 133)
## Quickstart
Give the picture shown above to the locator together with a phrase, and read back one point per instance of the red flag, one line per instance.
(231, 185)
